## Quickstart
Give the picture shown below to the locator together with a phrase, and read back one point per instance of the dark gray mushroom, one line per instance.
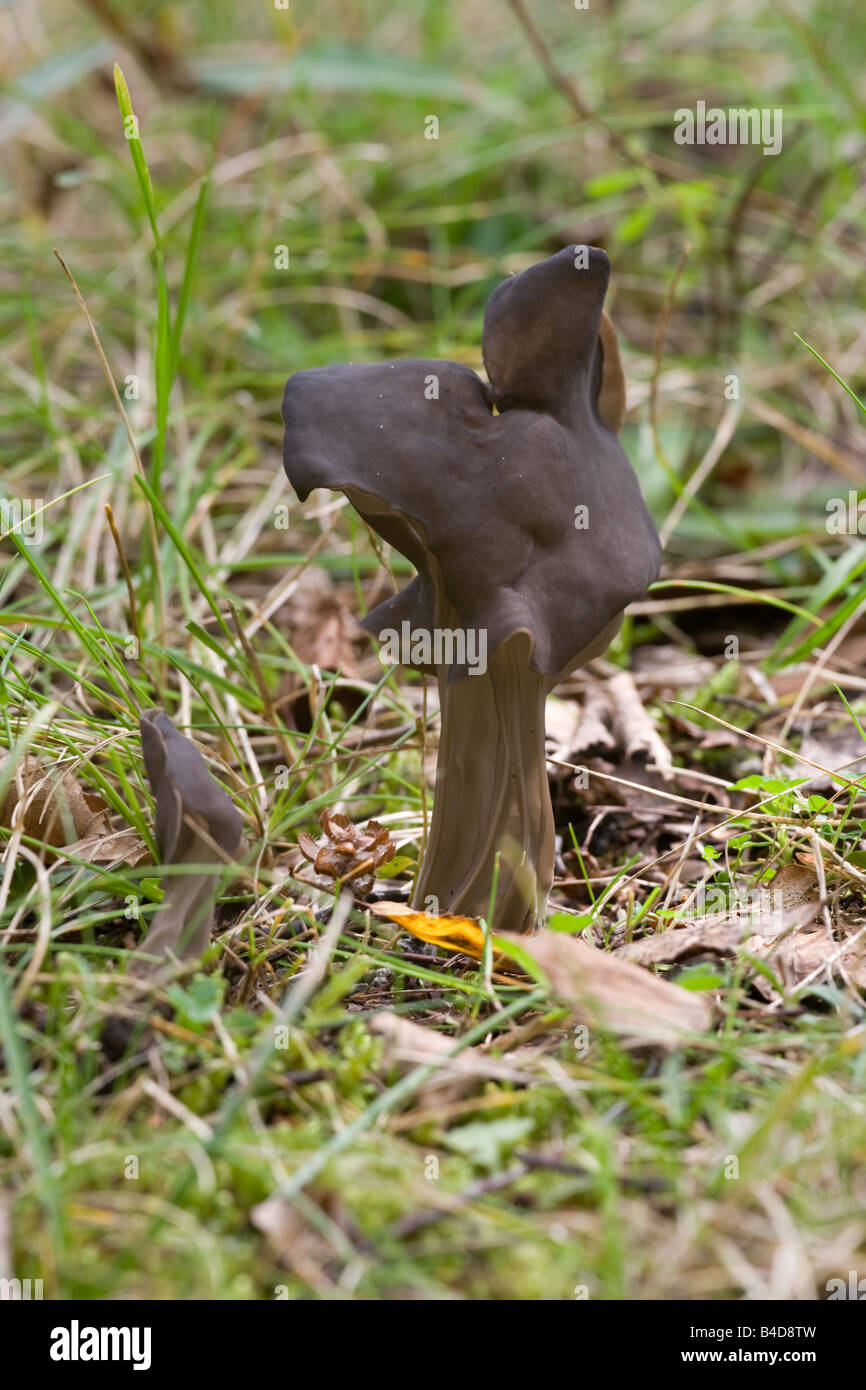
(196, 826)
(525, 522)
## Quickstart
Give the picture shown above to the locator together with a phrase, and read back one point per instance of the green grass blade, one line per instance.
(855, 398)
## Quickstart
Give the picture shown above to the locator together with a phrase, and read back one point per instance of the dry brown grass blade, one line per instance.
(769, 743)
(814, 443)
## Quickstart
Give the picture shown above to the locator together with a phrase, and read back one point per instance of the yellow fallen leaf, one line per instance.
(454, 933)
(600, 988)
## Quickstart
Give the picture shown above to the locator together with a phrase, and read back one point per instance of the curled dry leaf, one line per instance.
(49, 805)
(636, 733)
(666, 667)
(719, 933)
(778, 925)
(594, 737)
(561, 722)
(196, 826)
(325, 640)
(575, 732)
(348, 854)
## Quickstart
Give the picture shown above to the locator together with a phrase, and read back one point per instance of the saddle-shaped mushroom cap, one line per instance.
(524, 519)
(488, 507)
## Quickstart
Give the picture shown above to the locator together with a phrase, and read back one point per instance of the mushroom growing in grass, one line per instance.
(197, 829)
(526, 525)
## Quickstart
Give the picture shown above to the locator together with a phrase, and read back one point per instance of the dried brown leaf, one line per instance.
(594, 734)
(787, 903)
(322, 633)
(111, 847)
(809, 953)
(49, 804)
(611, 993)
(635, 731)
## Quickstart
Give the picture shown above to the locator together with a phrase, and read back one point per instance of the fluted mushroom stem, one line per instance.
(492, 797)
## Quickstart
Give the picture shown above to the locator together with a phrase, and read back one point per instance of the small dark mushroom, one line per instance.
(188, 802)
(526, 524)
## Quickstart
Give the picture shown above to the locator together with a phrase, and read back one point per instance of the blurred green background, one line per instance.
(303, 133)
(554, 125)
